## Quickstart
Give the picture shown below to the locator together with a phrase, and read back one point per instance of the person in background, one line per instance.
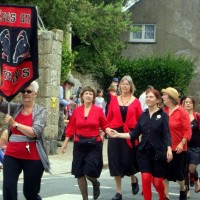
(25, 149)
(115, 81)
(112, 93)
(155, 139)
(3, 144)
(84, 126)
(123, 114)
(67, 85)
(180, 129)
(99, 100)
(142, 98)
(193, 153)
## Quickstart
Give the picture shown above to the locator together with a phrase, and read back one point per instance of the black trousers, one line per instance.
(32, 170)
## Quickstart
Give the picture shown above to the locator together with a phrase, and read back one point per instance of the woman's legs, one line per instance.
(160, 188)
(146, 185)
(187, 181)
(12, 169)
(33, 171)
(118, 181)
(193, 171)
(96, 186)
(166, 183)
(82, 183)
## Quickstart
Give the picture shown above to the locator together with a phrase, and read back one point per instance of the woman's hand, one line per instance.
(64, 146)
(169, 154)
(10, 121)
(113, 133)
(179, 148)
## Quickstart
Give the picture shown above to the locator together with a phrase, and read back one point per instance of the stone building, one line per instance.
(166, 27)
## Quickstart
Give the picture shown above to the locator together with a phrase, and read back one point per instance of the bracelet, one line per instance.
(16, 125)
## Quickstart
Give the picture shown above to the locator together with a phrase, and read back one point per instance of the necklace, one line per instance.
(124, 103)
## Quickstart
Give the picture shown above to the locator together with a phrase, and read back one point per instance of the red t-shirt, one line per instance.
(18, 149)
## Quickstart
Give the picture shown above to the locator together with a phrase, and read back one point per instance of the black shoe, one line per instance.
(118, 196)
(135, 187)
(96, 190)
(183, 194)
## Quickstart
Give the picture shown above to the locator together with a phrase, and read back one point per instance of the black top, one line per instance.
(123, 111)
(154, 130)
(195, 139)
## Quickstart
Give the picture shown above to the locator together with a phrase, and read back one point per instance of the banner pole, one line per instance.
(8, 108)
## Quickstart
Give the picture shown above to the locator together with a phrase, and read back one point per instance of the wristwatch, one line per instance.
(16, 125)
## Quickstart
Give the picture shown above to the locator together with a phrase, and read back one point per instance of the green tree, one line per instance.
(99, 28)
(97, 23)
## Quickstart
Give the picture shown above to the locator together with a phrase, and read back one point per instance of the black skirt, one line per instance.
(176, 169)
(121, 158)
(147, 163)
(87, 160)
(193, 155)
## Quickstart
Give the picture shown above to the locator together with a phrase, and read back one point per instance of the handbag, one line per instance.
(87, 140)
(160, 155)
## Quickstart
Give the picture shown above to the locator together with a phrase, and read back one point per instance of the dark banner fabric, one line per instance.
(18, 48)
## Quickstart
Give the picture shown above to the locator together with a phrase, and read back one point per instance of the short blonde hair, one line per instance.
(112, 87)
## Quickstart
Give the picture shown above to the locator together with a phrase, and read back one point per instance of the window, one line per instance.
(143, 33)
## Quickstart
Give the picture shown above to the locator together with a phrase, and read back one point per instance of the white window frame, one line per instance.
(143, 39)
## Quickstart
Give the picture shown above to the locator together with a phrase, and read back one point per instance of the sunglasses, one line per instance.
(26, 91)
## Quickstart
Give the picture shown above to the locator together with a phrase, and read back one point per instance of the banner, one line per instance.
(18, 48)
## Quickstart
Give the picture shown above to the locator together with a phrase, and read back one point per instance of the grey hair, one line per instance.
(35, 86)
(130, 81)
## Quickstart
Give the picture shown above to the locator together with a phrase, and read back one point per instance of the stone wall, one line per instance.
(50, 49)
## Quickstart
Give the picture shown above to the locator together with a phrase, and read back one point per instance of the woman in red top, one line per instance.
(124, 112)
(84, 125)
(180, 129)
(25, 150)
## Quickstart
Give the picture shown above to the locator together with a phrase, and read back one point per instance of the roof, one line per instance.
(129, 4)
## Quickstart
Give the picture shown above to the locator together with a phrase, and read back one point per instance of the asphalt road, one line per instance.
(64, 186)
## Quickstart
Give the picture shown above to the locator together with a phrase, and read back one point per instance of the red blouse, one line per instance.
(179, 124)
(133, 113)
(18, 149)
(87, 127)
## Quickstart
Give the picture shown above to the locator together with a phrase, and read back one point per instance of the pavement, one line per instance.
(61, 163)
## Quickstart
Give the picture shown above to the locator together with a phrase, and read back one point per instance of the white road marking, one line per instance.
(90, 186)
(65, 196)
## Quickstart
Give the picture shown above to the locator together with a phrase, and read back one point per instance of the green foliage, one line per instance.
(99, 27)
(161, 72)
(67, 62)
(97, 23)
